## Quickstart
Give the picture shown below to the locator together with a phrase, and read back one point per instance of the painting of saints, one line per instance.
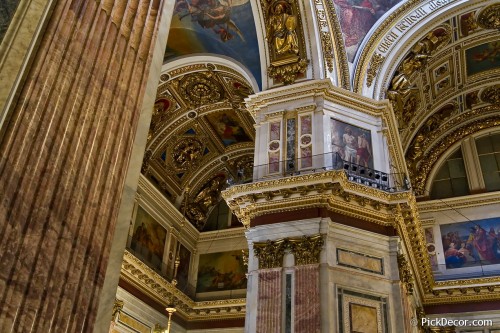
(351, 143)
(475, 245)
(148, 239)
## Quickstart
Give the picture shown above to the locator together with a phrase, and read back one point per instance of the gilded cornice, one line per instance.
(331, 190)
(468, 201)
(153, 285)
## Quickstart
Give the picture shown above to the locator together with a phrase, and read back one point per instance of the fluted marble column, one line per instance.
(63, 161)
(307, 303)
(269, 301)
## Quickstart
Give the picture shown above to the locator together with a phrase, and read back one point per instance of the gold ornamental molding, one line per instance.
(284, 35)
(405, 274)
(332, 44)
(489, 17)
(331, 190)
(160, 290)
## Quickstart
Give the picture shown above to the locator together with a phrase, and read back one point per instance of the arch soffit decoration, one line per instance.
(429, 118)
(199, 128)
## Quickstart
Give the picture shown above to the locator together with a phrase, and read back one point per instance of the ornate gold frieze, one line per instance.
(285, 40)
(157, 288)
(375, 63)
(489, 17)
(405, 274)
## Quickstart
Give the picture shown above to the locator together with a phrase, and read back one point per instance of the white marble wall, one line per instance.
(332, 275)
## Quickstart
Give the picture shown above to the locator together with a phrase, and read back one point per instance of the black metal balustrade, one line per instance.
(390, 182)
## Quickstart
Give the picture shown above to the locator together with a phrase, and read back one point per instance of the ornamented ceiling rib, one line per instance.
(449, 79)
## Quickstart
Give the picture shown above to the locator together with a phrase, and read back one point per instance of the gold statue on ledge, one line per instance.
(281, 29)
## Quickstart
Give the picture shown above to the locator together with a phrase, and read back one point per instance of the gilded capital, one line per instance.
(307, 249)
(270, 253)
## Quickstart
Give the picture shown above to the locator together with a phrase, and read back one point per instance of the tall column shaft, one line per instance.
(63, 160)
(269, 301)
(307, 303)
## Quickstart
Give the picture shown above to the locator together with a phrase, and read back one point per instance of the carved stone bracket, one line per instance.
(306, 250)
(405, 274)
(117, 307)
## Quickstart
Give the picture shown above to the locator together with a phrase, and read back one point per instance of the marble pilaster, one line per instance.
(63, 161)
(307, 302)
(269, 301)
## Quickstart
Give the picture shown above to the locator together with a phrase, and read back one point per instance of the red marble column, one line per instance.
(269, 301)
(307, 306)
(63, 159)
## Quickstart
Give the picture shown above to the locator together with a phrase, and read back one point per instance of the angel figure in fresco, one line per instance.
(210, 14)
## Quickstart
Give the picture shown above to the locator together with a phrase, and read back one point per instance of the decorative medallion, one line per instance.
(201, 88)
(491, 95)
(489, 17)
(186, 153)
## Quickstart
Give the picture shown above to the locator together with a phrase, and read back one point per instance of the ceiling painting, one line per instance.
(357, 17)
(224, 27)
(228, 127)
(484, 57)
(200, 138)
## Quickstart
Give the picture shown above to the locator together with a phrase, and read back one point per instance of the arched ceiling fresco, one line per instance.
(201, 137)
(443, 80)
(446, 88)
(222, 27)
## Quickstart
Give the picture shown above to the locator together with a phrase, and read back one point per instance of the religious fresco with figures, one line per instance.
(148, 239)
(224, 27)
(484, 57)
(357, 17)
(228, 127)
(221, 271)
(352, 143)
(471, 244)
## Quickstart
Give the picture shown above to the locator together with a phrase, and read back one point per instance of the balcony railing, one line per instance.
(390, 182)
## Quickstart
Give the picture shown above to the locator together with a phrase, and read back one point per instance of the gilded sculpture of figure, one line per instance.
(199, 208)
(281, 29)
